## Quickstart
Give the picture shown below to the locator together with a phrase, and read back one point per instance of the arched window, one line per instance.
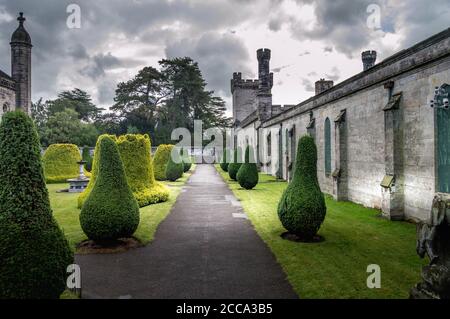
(5, 107)
(327, 145)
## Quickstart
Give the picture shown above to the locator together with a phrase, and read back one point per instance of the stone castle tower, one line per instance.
(265, 79)
(21, 65)
(255, 94)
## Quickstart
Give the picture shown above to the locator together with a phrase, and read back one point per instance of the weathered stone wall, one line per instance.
(415, 73)
(244, 100)
(7, 100)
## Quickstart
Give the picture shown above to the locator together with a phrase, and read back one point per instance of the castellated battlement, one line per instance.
(238, 82)
(368, 58)
(263, 54)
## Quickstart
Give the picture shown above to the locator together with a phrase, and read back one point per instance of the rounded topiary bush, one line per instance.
(187, 160)
(86, 155)
(247, 175)
(137, 160)
(60, 162)
(235, 165)
(225, 161)
(34, 253)
(175, 166)
(110, 211)
(302, 206)
(94, 171)
(160, 161)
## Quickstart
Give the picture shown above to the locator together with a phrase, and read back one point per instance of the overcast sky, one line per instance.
(309, 39)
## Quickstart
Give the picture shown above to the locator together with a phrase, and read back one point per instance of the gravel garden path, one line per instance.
(205, 248)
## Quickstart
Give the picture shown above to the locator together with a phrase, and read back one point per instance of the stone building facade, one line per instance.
(383, 135)
(15, 90)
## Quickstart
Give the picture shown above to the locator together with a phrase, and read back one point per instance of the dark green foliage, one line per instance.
(174, 170)
(234, 166)
(302, 207)
(110, 211)
(88, 158)
(247, 175)
(224, 163)
(187, 161)
(34, 253)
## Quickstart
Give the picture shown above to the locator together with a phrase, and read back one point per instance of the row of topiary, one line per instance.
(302, 207)
(246, 173)
(134, 150)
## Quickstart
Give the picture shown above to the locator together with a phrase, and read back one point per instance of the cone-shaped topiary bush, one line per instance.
(34, 253)
(224, 163)
(174, 170)
(302, 206)
(110, 211)
(60, 162)
(234, 166)
(94, 171)
(87, 158)
(247, 175)
(137, 161)
(160, 161)
(187, 161)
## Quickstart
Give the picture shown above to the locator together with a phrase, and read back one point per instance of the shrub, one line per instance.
(247, 175)
(87, 158)
(137, 160)
(187, 160)
(224, 163)
(94, 171)
(234, 166)
(302, 207)
(160, 161)
(60, 162)
(34, 253)
(174, 170)
(110, 211)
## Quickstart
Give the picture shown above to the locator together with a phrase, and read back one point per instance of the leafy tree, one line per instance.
(76, 100)
(65, 128)
(34, 254)
(302, 206)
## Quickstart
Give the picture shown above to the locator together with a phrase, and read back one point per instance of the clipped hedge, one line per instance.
(94, 171)
(224, 163)
(110, 211)
(86, 155)
(160, 161)
(137, 160)
(174, 170)
(60, 162)
(235, 165)
(187, 160)
(34, 253)
(302, 206)
(247, 175)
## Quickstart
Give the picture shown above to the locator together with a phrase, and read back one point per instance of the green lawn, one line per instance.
(65, 210)
(354, 238)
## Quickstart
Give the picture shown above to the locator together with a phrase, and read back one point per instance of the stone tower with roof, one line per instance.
(21, 65)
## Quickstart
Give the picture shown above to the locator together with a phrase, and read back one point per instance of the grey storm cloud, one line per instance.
(218, 55)
(208, 31)
(308, 85)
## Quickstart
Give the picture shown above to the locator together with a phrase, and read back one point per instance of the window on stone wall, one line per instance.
(327, 145)
(269, 144)
(5, 107)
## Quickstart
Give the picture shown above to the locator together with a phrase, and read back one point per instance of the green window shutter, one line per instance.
(327, 146)
(443, 156)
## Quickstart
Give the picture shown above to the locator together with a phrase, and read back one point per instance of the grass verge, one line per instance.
(355, 237)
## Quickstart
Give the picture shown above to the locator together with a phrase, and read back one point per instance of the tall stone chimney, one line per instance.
(368, 59)
(322, 85)
(21, 65)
